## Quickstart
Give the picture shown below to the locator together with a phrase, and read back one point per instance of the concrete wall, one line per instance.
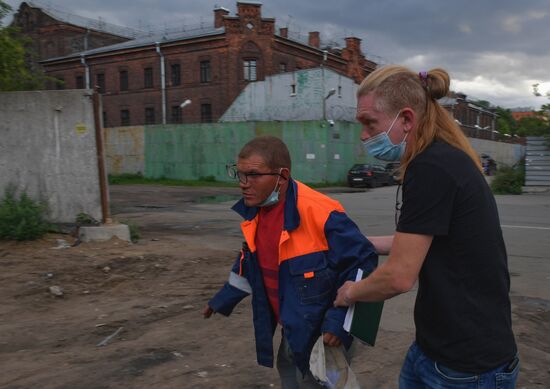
(124, 150)
(273, 99)
(504, 153)
(48, 149)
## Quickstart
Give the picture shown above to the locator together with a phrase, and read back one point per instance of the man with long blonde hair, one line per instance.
(448, 237)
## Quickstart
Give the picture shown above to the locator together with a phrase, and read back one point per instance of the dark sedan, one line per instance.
(369, 175)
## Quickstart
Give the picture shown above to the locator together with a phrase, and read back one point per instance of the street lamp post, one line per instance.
(330, 93)
(184, 104)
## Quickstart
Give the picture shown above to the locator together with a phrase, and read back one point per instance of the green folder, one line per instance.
(365, 318)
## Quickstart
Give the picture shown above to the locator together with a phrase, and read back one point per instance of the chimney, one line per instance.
(219, 13)
(250, 9)
(313, 39)
(353, 44)
(283, 31)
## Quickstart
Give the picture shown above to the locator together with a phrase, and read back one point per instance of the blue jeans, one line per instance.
(420, 372)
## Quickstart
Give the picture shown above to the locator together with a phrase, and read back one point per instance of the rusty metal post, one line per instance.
(103, 188)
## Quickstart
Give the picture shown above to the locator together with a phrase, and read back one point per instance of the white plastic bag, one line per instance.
(330, 367)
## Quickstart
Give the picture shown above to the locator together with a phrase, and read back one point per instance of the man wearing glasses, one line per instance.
(299, 247)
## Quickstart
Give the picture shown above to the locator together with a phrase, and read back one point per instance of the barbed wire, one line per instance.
(95, 24)
(306, 111)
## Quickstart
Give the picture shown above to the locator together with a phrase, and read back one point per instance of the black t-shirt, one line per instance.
(462, 312)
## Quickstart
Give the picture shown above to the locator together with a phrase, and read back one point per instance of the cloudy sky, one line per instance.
(494, 50)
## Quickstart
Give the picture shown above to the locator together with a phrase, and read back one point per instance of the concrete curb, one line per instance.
(104, 232)
(535, 189)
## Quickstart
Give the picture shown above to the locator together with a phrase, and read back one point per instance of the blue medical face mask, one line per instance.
(381, 147)
(273, 198)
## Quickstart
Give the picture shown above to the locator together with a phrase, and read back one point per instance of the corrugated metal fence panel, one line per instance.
(190, 152)
(320, 152)
(345, 150)
(537, 162)
(124, 149)
(307, 143)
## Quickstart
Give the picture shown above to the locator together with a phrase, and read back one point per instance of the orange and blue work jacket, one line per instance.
(320, 248)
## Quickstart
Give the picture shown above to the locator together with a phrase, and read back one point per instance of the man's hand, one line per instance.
(207, 312)
(342, 298)
(331, 340)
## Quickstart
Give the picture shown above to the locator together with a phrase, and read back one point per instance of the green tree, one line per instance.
(483, 103)
(4, 10)
(536, 91)
(506, 124)
(16, 72)
(533, 125)
(544, 113)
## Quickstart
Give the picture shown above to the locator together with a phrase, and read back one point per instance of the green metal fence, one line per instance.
(320, 153)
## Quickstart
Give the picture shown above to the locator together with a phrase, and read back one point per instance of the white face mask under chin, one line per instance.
(273, 198)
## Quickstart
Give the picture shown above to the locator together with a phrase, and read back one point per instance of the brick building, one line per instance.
(55, 33)
(474, 119)
(518, 115)
(145, 80)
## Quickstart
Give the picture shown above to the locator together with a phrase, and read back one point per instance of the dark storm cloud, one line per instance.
(467, 25)
(494, 49)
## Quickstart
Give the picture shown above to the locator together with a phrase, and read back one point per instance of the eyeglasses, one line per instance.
(397, 205)
(242, 176)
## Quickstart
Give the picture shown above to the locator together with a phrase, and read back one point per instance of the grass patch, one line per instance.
(22, 218)
(508, 180)
(83, 219)
(134, 230)
(135, 179)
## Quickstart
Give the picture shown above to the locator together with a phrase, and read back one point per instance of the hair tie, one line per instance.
(424, 80)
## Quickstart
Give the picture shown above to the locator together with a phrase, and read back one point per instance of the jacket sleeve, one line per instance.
(234, 290)
(348, 251)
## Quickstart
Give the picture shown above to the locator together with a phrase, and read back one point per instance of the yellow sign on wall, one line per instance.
(81, 129)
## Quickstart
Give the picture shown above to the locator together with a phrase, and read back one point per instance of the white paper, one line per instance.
(351, 308)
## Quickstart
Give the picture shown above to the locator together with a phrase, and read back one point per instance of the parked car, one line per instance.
(369, 175)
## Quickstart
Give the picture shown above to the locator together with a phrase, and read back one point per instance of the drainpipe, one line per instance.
(86, 39)
(162, 83)
(324, 99)
(87, 71)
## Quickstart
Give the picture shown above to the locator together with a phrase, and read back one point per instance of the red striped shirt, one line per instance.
(268, 235)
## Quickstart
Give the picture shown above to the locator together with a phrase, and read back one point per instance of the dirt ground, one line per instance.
(150, 296)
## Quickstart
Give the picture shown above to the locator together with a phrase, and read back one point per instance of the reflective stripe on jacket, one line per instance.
(320, 248)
